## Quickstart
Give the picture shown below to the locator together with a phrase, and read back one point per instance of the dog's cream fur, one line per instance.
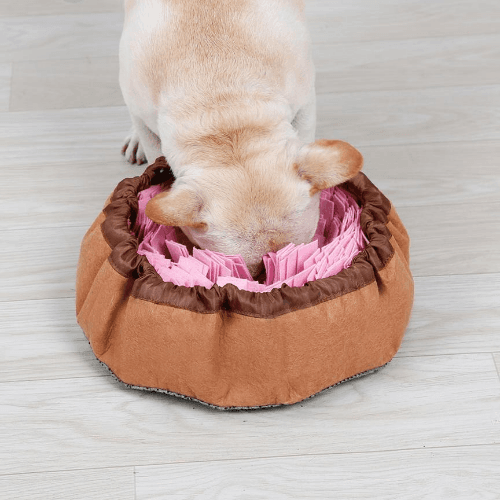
(224, 89)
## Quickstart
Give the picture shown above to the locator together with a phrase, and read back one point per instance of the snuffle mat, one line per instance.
(338, 239)
(166, 316)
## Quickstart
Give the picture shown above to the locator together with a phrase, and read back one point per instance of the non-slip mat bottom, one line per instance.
(234, 408)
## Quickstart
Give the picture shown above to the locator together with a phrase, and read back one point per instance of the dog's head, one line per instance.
(254, 211)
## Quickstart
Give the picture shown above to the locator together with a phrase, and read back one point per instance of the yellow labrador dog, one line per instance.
(224, 89)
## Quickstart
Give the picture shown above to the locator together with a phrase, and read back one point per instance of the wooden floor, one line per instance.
(415, 85)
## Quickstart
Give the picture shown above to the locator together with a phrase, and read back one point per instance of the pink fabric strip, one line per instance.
(338, 239)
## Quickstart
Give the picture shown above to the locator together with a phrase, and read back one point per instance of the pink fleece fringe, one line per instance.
(338, 239)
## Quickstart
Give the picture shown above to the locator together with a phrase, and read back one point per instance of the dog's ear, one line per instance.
(326, 163)
(180, 206)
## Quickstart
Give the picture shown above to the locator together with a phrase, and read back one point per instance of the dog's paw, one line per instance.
(132, 149)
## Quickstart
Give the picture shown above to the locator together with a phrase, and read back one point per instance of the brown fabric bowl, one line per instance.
(231, 348)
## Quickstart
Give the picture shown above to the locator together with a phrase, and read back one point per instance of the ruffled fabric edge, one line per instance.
(149, 286)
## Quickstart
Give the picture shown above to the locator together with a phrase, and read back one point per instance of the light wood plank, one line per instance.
(435, 174)
(454, 314)
(433, 401)
(411, 116)
(97, 34)
(39, 263)
(65, 36)
(453, 239)
(93, 81)
(63, 136)
(104, 484)
(361, 20)
(38, 8)
(65, 83)
(73, 193)
(451, 315)
(5, 78)
(55, 195)
(496, 357)
(407, 64)
(453, 473)
(41, 340)
(368, 118)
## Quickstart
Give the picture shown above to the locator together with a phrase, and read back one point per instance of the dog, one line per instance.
(225, 90)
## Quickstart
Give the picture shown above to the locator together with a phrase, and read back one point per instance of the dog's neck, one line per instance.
(230, 131)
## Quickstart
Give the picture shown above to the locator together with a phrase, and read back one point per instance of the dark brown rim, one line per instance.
(148, 285)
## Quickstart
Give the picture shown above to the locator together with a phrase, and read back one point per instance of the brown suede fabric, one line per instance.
(229, 347)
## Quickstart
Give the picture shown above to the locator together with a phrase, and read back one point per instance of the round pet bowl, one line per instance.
(232, 348)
